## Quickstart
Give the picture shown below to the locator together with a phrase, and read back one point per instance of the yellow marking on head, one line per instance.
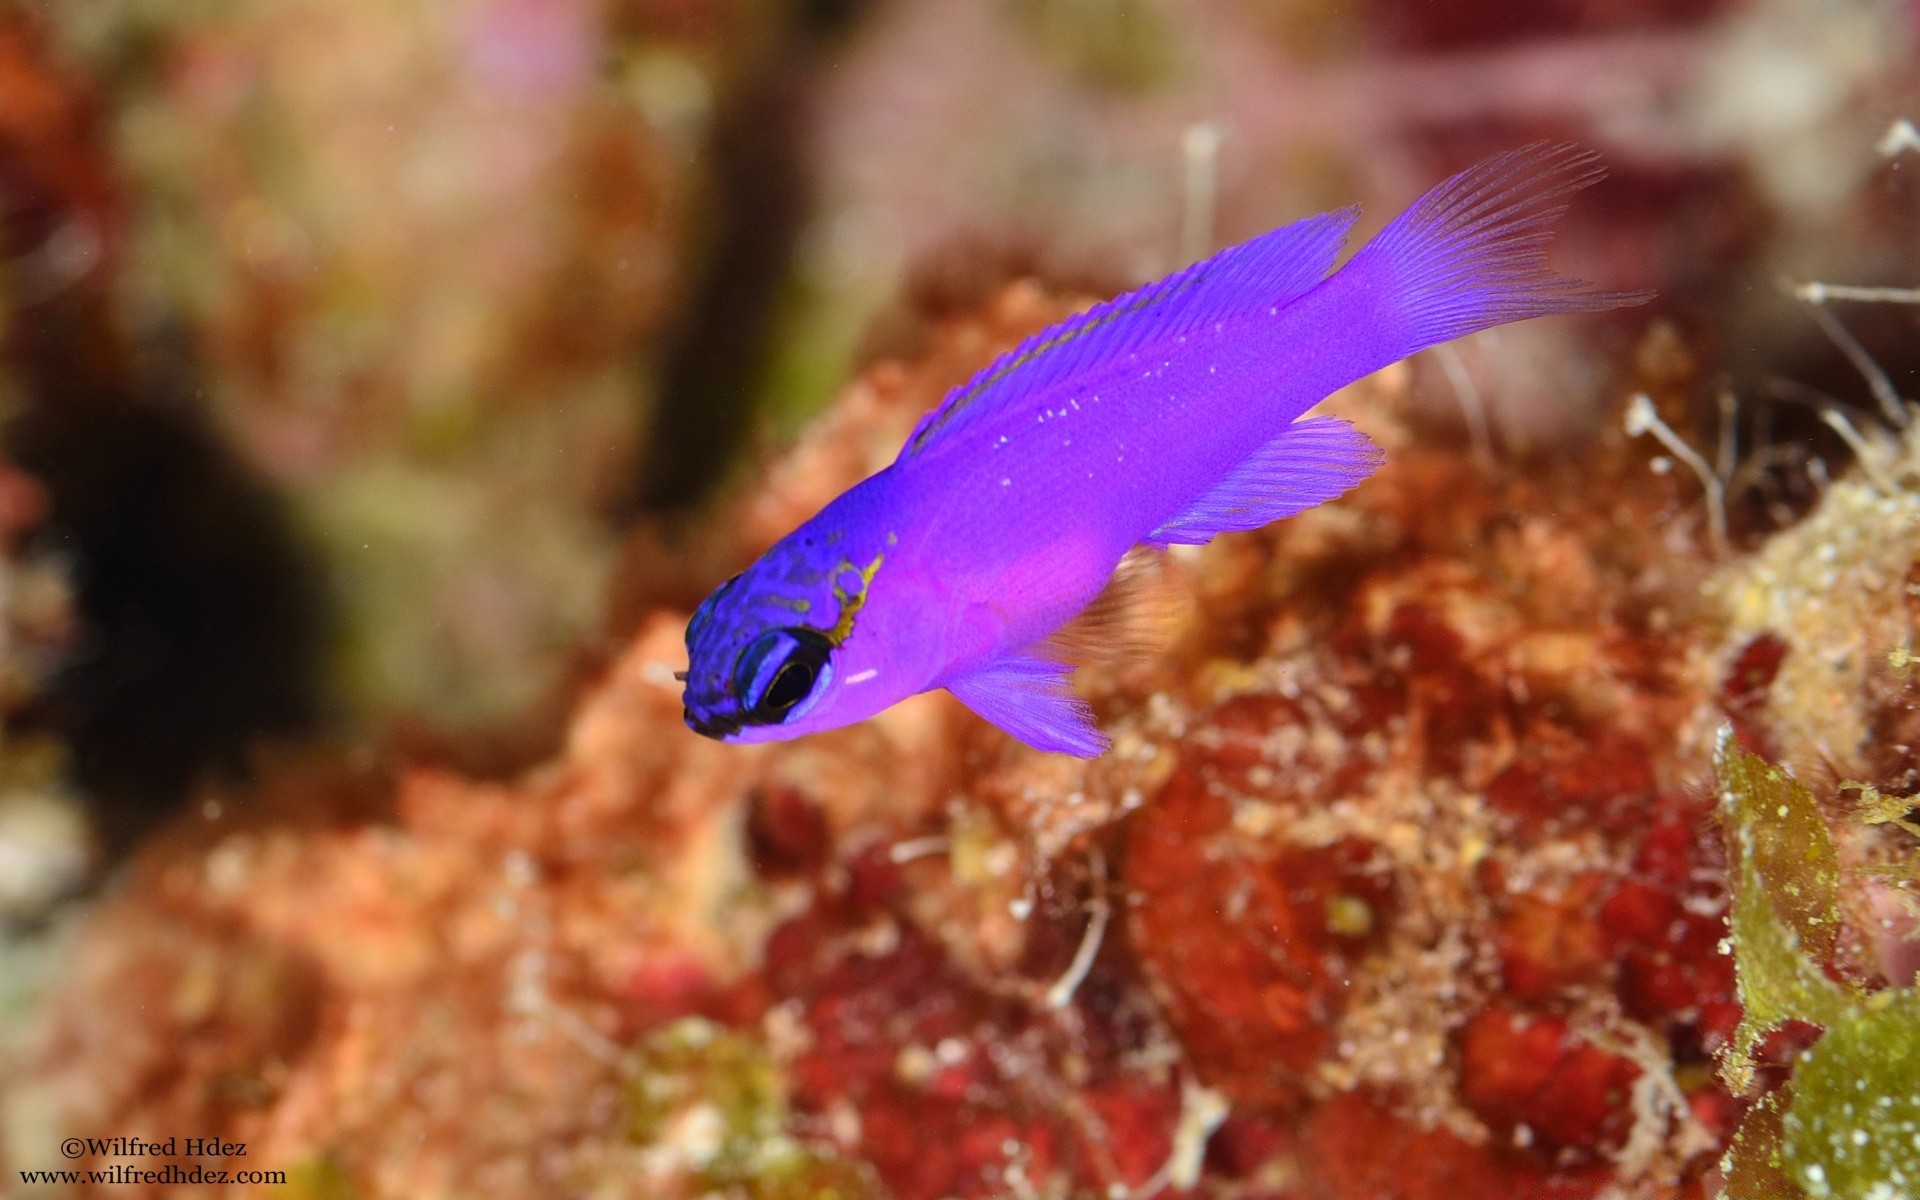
(850, 605)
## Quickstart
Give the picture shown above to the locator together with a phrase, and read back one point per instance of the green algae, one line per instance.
(715, 1103)
(1854, 1127)
(320, 1178)
(1877, 809)
(1848, 1123)
(1753, 1167)
(1784, 920)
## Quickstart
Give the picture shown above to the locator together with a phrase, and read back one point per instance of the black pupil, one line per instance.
(778, 671)
(790, 685)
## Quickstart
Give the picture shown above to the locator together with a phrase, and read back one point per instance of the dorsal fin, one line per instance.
(1272, 269)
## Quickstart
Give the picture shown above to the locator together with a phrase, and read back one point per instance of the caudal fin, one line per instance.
(1471, 253)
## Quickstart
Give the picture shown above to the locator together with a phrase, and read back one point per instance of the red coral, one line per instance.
(1535, 1084)
(1561, 780)
(1667, 935)
(953, 1087)
(666, 985)
(1237, 739)
(1139, 1121)
(1670, 854)
(1357, 1150)
(1246, 992)
(1457, 701)
(1244, 1144)
(1743, 693)
(1343, 893)
(1550, 941)
(787, 833)
(1639, 912)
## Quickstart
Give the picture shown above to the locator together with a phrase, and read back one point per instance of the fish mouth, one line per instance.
(717, 728)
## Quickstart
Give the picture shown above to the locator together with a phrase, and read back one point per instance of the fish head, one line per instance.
(791, 646)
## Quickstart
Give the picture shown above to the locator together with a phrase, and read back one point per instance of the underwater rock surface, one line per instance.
(416, 282)
(1402, 880)
(48, 846)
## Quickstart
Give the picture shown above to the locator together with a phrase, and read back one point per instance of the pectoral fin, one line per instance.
(1030, 699)
(1133, 619)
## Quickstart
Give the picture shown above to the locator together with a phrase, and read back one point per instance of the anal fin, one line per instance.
(1030, 699)
(1312, 461)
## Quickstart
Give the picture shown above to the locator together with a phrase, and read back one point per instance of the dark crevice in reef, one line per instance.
(716, 350)
(203, 622)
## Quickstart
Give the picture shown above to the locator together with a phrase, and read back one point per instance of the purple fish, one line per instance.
(1168, 415)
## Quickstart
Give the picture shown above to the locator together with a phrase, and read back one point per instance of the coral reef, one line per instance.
(45, 840)
(199, 615)
(1401, 879)
(1405, 878)
(49, 846)
(418, 276)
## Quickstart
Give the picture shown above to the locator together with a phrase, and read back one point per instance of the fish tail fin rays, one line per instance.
(1273, 269)
(1471, 253)
(1030, 699)
(1312, 461)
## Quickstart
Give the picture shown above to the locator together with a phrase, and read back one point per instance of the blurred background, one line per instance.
(370, 368)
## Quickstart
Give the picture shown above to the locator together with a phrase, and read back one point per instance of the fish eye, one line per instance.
(780, 671)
